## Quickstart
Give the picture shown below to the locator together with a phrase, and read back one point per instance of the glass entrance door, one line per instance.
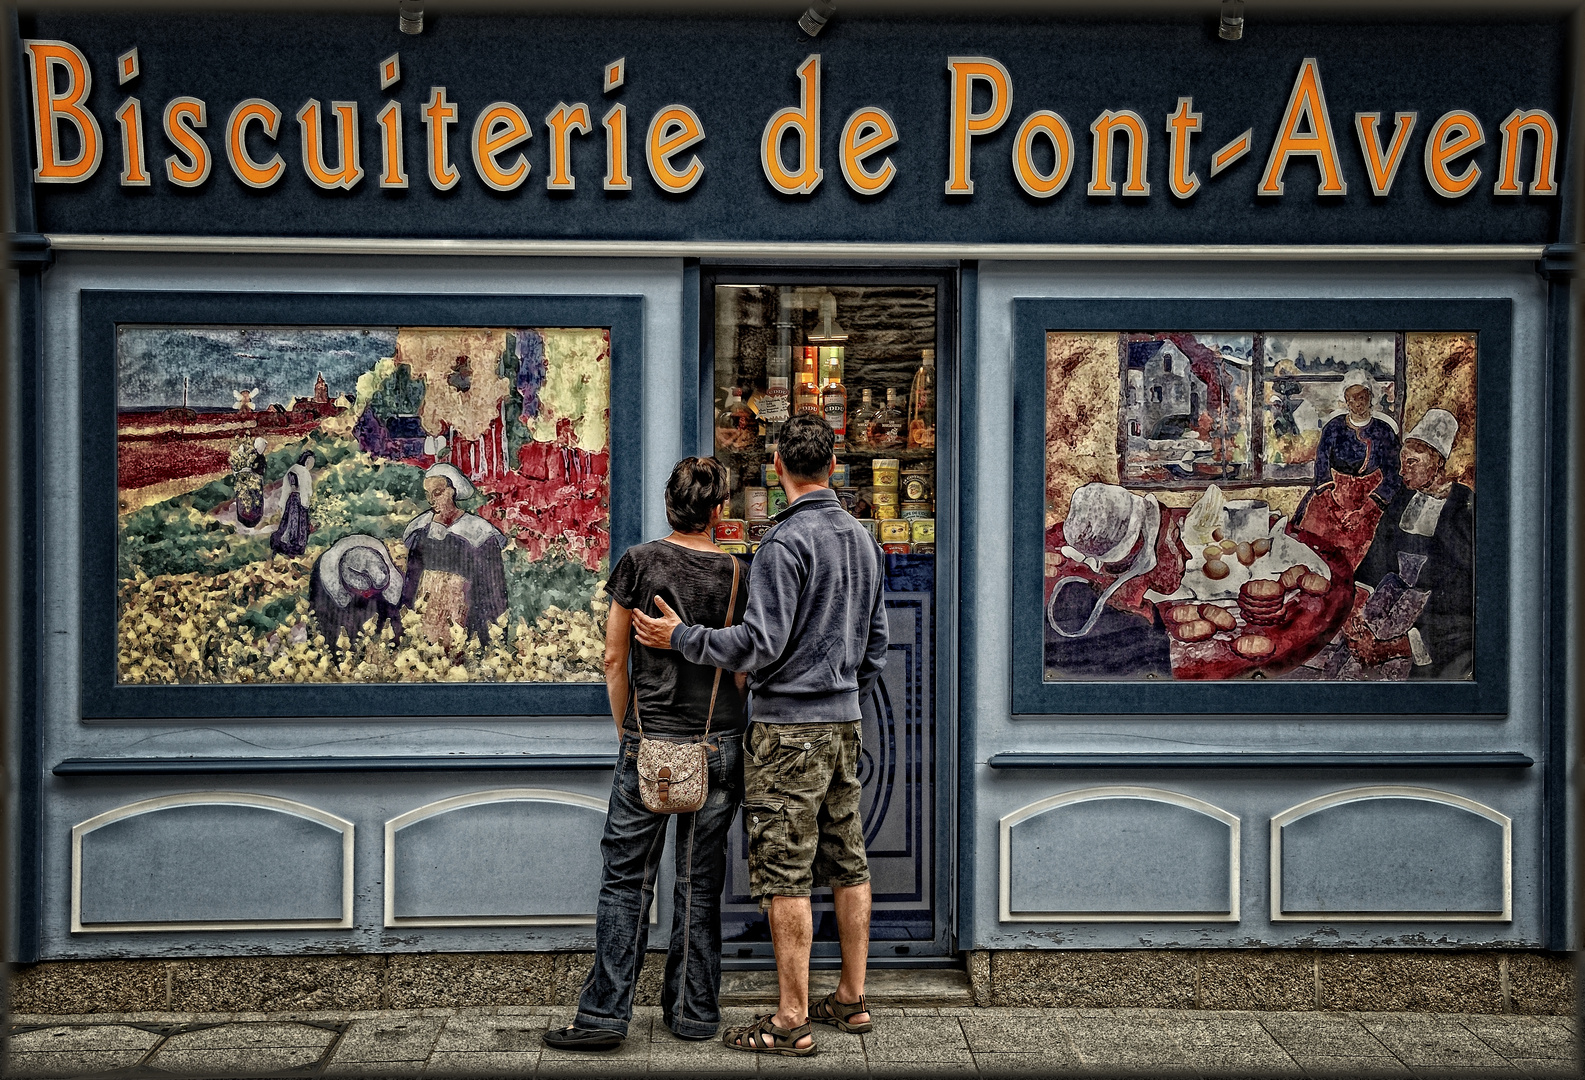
(867, 354)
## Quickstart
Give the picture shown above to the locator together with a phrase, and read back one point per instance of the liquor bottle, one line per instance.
(922, 404)
(806, 396)
(887, 431)
(834, 402)
(859, 422)
(775, 407)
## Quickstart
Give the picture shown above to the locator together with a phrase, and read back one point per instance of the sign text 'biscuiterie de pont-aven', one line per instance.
(1043, 150)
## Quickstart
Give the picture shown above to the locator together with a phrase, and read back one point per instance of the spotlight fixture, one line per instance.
(410, 16)
(814, 20)
(1232, 28)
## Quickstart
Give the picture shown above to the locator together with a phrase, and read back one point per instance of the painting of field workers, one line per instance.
(362, 505)
(1260, 505)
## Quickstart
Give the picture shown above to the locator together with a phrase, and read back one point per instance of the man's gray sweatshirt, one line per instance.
(813, 639)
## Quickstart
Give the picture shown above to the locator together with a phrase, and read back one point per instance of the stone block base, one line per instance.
(1277, 980)
(1259, 980)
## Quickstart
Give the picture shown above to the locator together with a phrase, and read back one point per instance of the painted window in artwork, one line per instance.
(362, 505)
(1288, 506)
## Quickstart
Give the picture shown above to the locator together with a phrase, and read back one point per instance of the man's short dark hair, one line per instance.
(697, 486)
(806, 444)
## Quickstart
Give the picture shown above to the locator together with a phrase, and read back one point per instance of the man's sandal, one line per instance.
(828, 1010)
(751, 1037)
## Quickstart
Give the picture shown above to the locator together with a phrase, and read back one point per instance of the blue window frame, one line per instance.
(102, 312)
(1485, 695)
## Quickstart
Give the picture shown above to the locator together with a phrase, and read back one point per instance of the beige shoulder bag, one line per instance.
(674, 775)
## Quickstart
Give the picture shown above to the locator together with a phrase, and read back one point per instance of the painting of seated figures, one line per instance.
(362, 505)
(1260, 505)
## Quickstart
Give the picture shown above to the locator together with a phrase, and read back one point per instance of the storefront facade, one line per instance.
(1200, 639)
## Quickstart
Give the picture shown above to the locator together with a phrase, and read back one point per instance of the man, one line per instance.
(1420, 568)
(1115, 554)
(814, 641)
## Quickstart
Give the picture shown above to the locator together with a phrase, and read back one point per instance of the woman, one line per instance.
(454, 561)
(290, 537)
(672, 699)
(1356, 472)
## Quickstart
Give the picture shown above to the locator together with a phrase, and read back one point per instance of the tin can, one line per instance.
(895, 531)
(924, 531)
(768, 474)
(883, 472)
(777, 500)
(884, 500)
(849, 498)
(756, 501)
(735, 549)
(839, 476)
(757, 530)
(924, 549)
(730, 530)
(871, 526)
(913, 511)
(897, 549)
(917, 485)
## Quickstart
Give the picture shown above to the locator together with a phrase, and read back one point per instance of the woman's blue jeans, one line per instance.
(632, 845)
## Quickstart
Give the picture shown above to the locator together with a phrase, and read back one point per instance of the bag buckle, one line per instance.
(664, 778)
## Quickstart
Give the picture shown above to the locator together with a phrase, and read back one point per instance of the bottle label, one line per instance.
(774, 406)
(837, 416)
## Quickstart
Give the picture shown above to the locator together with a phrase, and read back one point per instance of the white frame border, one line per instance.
(1146, 794)
(1390, 791)
(213, 798)
(474, 798)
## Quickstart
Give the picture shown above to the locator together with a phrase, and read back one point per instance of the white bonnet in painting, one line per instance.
(1437, 429)
(1104, 522)
(1357, 377)
(453, 476)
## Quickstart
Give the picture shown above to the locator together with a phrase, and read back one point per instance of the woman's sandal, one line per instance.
(828, 1010)
(750, 1037)
(577, 1038)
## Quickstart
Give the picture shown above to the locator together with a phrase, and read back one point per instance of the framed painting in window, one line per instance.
(304, 506)
(1261, 506)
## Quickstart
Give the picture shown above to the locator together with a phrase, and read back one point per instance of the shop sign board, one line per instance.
(731, 129)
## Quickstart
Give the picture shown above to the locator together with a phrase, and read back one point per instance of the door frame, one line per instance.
(698, 437)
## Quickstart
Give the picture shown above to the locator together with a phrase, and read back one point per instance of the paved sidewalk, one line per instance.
(906, 1042)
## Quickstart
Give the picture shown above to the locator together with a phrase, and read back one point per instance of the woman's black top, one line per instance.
(673, 694)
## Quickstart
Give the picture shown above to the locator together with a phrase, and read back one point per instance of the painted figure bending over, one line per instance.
(354, 581)
(248, 464)
(454, 561)
(1114, 547)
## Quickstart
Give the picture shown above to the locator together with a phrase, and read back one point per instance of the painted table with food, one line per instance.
(1255, 599)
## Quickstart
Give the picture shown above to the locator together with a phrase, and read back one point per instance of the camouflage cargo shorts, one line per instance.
(801, 804)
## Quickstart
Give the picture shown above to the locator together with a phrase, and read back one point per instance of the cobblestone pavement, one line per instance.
(905, 1043)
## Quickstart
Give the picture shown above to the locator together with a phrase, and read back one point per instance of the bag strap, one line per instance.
(731, 605)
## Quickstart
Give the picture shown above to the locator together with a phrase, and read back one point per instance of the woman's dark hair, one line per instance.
(697, 486)
(806, 444)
